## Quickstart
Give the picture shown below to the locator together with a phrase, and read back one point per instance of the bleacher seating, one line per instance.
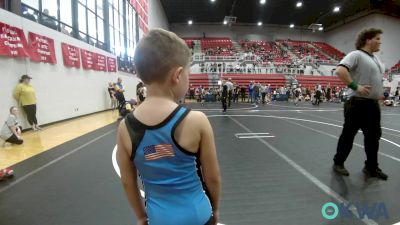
(312, 81)
(266, 51)
(328, 49)
(189, 42)
(217, 46)
(199, 79)
(275, 80)
(303, 49)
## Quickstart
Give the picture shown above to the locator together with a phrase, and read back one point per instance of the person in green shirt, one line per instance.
(25, 95)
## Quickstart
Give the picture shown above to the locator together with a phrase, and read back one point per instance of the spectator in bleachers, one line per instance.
(65, 31)
(48, 21)
(26, 14)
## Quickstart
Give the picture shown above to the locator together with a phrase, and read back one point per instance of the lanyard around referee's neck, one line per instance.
(373, 58)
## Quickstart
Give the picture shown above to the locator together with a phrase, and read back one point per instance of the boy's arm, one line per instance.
(129, 173)
(209, 162)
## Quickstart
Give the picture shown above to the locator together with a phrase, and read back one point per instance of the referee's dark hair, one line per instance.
(365, 35)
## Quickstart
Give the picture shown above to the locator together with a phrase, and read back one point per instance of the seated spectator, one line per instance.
(64, 30)
(11, 131)
(48, 21)
(27, 15)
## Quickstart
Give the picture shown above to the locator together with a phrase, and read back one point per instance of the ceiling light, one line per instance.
(259, 23)
(190, 22)
(299, 4)
(212, 0)
(336, 9)
(291, 25)
(263, 1)
(321, 29)
(225, 22)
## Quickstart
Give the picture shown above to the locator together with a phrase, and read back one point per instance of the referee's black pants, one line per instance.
(229, 98)
(223, 100)
(364, 114)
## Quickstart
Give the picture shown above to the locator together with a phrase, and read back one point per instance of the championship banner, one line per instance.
(42, 48)
(100, 62)
(111, 64)
(71, 55)
(88, 59)
(13, 42)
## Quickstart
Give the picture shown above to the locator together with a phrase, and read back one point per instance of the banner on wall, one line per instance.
(134, 4)
(13, 42)
(71, 55)
(111, 64)
(88, 58)
(100, 62)
(42, 48)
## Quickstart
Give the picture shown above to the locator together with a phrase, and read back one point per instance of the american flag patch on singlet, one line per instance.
(154, 152)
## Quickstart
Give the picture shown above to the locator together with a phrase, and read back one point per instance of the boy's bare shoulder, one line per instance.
(197, 116)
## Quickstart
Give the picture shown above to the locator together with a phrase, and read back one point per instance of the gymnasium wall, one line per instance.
(62, 92)
(157, 17)
(344, 36)
(242, 32)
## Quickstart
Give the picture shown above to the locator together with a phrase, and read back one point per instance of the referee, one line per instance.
(363, 73)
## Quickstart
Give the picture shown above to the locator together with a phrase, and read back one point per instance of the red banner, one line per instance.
(88, 59)
(42, 48)
(141, 24)
(13, 42)
(139, 10)
(134, 4)
(100, 62)
(111, 64)
(71, 55)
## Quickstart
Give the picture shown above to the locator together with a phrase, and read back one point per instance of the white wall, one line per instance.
(59, 90)
(344, 36)
(241, 32)
(157, 17)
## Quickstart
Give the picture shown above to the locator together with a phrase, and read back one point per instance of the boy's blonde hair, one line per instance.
(159, 52)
